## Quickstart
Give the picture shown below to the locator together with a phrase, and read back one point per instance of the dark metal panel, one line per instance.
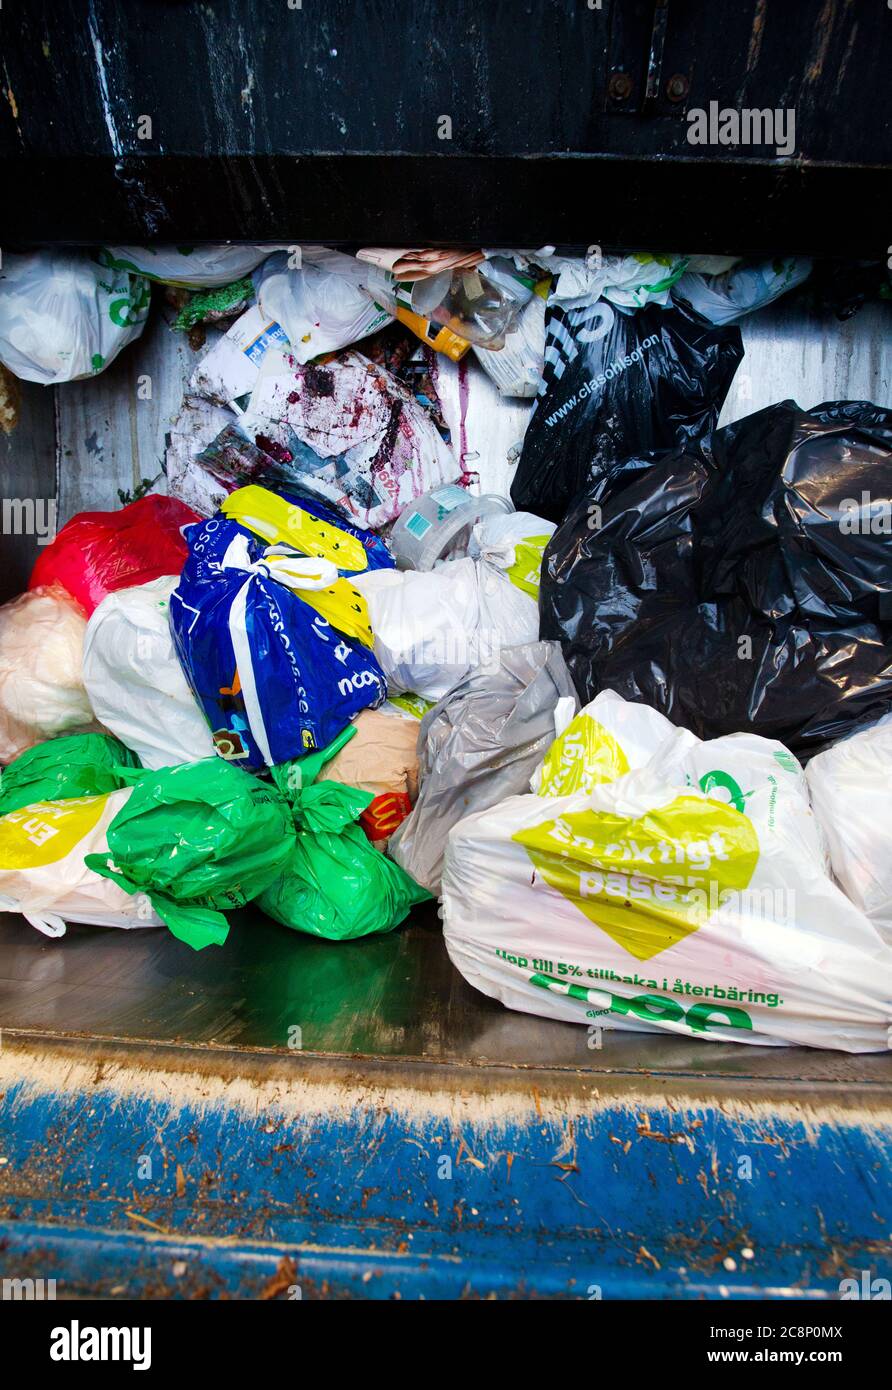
(745, 207)
(268, 121)
(242, 77)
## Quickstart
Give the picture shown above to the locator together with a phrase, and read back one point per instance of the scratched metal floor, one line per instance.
(159, 1139)
(391, 997)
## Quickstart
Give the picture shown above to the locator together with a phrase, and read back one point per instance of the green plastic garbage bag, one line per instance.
(74, 765)
(335, 884)
(198, 839)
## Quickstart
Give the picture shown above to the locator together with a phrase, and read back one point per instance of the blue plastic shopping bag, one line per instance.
(275, 677)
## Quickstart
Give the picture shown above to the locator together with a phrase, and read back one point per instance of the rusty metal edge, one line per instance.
(825, 1099)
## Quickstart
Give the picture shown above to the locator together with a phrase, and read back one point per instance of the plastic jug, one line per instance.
(439, 523)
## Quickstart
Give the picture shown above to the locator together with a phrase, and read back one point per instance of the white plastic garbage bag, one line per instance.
(509, 615)
(41, 680)
(690, 895)
(642, 278)
(711, 265)
(134, 679)
(64, 315)
(426, 625)
(42, 870)
(194, 267)
(323, 306)
(746, 286)
(631, 281)
(513, 543)
(434, 626)
(609, 737)
(851, 792)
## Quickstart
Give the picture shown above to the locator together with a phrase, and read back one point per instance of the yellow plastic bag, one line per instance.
(337, 601)
(283, 523)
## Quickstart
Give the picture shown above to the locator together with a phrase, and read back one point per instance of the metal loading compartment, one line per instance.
(354, 1120)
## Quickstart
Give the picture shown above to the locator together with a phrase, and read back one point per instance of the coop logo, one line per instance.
(747, 126)
(76, 1343)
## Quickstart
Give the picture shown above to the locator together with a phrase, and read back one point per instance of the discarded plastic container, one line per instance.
(469, 304)
(439, 523)
(440, 339)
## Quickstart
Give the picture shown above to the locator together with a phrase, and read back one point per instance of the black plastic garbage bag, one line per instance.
(617, 384)
(742, 585)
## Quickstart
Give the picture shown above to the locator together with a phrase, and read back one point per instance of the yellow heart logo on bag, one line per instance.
(585, 754)
(650, 881)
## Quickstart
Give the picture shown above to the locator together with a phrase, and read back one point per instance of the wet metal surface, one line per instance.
(395, 996)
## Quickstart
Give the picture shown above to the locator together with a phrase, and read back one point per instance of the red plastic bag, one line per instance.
(96, 553)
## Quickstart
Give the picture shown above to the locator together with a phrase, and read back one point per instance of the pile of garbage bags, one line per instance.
(632, 725)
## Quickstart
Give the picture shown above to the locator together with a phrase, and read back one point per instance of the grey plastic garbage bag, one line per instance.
(480, 744)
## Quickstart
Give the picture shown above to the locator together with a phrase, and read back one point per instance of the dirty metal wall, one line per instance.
(112, 427)
(118, 1176)
(567, 121)
(238, 77)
